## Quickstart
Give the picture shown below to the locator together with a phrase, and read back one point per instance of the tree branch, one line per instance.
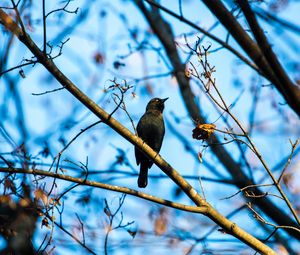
(84, 182)
(290, 92)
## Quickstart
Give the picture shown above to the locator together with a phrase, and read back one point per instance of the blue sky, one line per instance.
(109, 36)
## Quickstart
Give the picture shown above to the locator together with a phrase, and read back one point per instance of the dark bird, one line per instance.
(151, 128)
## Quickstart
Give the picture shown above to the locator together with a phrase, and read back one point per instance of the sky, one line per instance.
(47, 114)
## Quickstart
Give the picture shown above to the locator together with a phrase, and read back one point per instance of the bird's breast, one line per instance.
(151, 129)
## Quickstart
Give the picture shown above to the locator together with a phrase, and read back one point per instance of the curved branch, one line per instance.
(195, 209)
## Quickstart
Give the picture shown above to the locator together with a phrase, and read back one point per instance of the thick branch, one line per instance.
(290, 92)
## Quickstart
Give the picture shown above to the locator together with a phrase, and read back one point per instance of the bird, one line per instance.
(151, 129)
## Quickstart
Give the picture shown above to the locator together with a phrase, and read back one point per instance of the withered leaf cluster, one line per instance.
(203, 131)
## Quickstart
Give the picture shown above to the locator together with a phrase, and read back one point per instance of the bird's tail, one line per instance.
(143, 176)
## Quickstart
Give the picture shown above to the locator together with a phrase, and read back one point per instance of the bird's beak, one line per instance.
(165, 99)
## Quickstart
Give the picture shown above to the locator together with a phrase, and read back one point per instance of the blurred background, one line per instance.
(115, 50)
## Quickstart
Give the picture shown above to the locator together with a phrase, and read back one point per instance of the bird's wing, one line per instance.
(138, 155)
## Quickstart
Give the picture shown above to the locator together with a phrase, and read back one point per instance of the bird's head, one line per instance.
(156, 104)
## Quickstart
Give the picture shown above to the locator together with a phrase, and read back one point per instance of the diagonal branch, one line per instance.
(290, 92)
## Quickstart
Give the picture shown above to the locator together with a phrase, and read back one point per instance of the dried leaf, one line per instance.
(40, 194)
(149, 88)
(187, 73)
(203, 131)
(282, 250)
(287, 178)
(200, 157)
(133, 94)
(5, 199)
(99, 58)
(45, 223)
(187, 250)
(24, 202)
(8, 184)
(160, 226)
(161, 222)
(54, 201)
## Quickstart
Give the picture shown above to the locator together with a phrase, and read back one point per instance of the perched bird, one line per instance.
(151, 128)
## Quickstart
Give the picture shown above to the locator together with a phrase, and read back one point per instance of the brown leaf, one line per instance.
(200, 157)
(188, 74)
(8, 184)
(45, 223)
(203, 131)
(5, 199)
(187, 250)
(282, 250)
(149, 88)
(287, 178)
(99, 58)
(40, 194)
(54, 201)
(161, 222)
(24, 202)
(160, 226)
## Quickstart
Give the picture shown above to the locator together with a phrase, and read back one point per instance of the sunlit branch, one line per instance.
(36, 172)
